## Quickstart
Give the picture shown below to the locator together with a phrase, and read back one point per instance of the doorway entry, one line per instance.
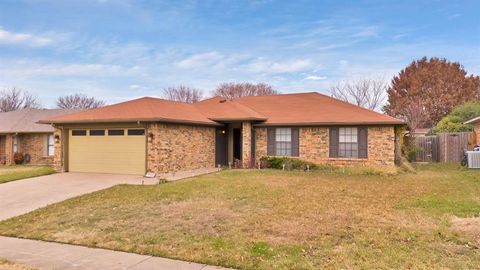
(221, 146)
(237, 144)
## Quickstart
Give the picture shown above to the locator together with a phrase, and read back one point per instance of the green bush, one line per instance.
(453, 122)
(412, 154)
(290, 163)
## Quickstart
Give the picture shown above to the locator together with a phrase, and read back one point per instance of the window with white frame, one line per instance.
(15, 144)
(283, 141)
(50, 145)
(348, 142)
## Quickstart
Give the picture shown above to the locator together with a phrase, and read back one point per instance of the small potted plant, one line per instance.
(18, 158)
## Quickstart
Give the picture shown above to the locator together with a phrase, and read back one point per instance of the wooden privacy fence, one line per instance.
(444, 147)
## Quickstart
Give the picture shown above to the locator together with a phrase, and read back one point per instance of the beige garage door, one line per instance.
(119, 150)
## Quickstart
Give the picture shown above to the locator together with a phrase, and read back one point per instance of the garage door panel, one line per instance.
(107, 154)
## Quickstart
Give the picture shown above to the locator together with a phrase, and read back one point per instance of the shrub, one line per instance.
(290, 163)
(453, 122)
(18, 158)
(412, 154)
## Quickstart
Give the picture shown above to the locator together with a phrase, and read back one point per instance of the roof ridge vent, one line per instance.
(223, 100)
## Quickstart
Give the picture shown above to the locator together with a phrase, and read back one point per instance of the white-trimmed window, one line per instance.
(15, 144)
(50, 145)
(348, 142)
(283, 141)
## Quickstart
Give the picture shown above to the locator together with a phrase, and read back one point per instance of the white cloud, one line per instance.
(261, 65)
(7, 37)
(315, 78)
(134, 86)
(454, 16)
(200, 60)
(366, 32)
(23, 69)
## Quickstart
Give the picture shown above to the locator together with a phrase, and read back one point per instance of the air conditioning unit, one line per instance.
(473, 158)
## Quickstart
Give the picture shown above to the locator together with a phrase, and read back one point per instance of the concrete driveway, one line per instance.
(22, 196)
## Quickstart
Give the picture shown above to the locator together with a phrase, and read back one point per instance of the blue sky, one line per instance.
(118, 50)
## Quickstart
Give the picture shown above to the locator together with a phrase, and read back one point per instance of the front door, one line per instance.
(221, 143)
(237, 144)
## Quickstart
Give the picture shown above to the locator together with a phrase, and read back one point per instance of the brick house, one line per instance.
(20, 132)
(156, 135)
(475, 122)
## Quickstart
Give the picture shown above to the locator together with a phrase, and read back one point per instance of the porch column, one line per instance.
(59, 145)
(9, 149)
(247, 144)
(153, 148)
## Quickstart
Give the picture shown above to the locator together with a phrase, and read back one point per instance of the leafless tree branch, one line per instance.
(79, 101)
(182, 93)
(367, 93)
(13, 99)
(236, 90)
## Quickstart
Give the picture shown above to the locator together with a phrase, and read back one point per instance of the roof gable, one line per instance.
(312, 109)
(142, 109)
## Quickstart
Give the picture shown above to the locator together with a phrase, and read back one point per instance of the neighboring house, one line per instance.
(420, 132)
(156, 135)
(475, 122)
(20, 132)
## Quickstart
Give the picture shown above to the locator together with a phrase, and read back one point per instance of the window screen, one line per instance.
(136, 132)
(50, 145)
(283, 141)
(348, 142)
(15, 144)
(79, 132)
(97, 132)
(116, 132)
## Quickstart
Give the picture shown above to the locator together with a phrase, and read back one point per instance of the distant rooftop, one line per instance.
(25, 120)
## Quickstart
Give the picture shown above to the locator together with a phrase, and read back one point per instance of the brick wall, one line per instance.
(9, 149)
(180, 147)
(35, 145)
(246, 144)
(2, 149)
(314, 146)
(58, 161)
(260, 143)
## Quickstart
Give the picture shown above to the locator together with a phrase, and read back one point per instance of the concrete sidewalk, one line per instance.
(47, 255)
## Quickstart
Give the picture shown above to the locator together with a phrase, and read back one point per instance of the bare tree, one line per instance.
(236, 90)
(79, 101)
(182, 93)
(13, 99)
(367, 93)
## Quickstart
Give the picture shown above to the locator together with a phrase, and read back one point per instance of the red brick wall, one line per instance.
(9, 149)
(35, 145)
(314, 146)
(2, 149)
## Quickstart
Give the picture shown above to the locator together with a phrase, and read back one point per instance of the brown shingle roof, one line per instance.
(26, 120)
(221, 109)
(312, 109)
(286, 109)
(145, 109)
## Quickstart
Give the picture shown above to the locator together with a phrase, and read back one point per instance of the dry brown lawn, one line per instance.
(6, 265)
(278, 220)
